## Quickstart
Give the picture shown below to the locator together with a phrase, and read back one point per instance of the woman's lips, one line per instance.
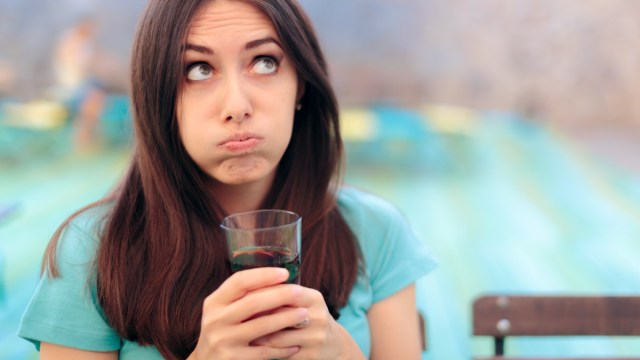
(241, 142)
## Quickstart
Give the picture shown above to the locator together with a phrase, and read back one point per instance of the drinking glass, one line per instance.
(264, 238)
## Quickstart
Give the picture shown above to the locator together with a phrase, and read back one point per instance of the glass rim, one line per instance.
(295, 220)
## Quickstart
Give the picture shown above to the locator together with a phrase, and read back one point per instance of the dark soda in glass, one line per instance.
(267, 256)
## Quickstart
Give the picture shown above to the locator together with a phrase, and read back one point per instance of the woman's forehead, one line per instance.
(230, 18)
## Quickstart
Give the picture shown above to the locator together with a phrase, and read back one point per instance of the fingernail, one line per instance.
(283, 273)
(294, 349)
(303, 312)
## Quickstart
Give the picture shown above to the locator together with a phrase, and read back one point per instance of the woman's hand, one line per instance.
(249, 305)
(319, 338)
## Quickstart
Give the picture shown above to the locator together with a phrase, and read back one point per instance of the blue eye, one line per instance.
(265, 65)
(199, 72)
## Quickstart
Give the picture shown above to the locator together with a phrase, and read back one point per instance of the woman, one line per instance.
(233, 112)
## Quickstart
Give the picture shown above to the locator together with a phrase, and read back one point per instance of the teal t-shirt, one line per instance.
(65, 310)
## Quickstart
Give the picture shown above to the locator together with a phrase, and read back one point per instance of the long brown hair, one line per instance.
(160, 252)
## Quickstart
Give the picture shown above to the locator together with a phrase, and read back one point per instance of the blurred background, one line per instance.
(507, 132)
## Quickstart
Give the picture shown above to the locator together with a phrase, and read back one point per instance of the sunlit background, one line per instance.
(507, 132)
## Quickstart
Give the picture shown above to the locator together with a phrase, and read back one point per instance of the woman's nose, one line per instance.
(236, 105)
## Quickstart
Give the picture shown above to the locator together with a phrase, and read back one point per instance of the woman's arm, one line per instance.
(395, 333)
(50, 351)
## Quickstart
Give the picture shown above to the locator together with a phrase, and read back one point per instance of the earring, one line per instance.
(298, 106)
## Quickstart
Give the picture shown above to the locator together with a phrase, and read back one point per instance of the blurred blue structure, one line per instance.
(116, 121)
(394, 137)
(37, 128)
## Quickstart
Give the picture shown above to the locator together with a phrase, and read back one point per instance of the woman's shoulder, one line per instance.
(394, 256)
(359, 206)
(65, 308)
(92, 217)
(81, 235)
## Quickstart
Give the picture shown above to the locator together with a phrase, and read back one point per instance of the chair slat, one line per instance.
(502, 316)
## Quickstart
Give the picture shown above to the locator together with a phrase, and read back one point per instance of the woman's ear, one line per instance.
(301, 88)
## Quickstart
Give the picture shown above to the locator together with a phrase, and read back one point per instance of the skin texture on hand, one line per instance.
(321, 338)
(249, 305)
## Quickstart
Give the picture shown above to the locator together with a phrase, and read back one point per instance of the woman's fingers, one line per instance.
(255, 307)
(242, 282)
(308, 298)
(280, 319)
(220, 309)
(317, 334)
(265, 300)
(264, 352)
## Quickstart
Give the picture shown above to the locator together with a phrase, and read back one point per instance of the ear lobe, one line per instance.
(301, 88)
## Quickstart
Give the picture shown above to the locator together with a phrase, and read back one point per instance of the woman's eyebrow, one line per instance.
(259, 42)
(197, 48)
(250, 45)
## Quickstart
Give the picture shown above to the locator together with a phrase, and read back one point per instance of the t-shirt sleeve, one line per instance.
(400, 258)
(64, 310)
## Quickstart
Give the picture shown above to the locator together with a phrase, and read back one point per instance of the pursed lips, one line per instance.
(240, 142)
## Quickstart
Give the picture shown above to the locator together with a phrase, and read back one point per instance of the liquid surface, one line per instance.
(267, 256)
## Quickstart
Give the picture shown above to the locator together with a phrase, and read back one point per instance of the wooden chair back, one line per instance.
(502, 316)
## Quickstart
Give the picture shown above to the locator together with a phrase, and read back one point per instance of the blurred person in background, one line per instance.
(7, 79)
(74, 65)
(233, 112)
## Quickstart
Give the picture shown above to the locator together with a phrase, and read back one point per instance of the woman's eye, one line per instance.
(199, 72)
(265, 65)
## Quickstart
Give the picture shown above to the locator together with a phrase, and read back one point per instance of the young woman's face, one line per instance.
(239, 94)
